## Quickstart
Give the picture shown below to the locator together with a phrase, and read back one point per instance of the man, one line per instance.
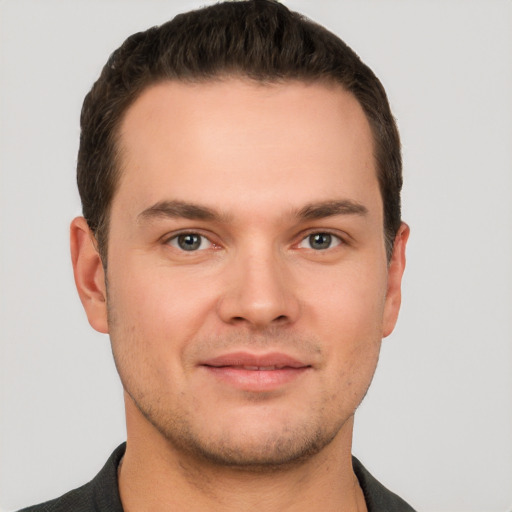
(240, 176)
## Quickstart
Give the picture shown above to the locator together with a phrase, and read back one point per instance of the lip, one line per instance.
(255, 372)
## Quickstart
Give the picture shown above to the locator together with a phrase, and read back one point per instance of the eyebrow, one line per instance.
(191, 211)
(179, 209)
(325, 209)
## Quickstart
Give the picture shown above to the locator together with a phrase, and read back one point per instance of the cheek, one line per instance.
(348, 301)
(154, 313)
(346, 311)
(159, 298)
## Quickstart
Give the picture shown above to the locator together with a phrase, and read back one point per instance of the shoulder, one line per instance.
(77, 500)
(378, 498)
(100, 494)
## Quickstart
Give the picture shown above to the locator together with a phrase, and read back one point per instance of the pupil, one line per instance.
(189, 242)
(320, 241)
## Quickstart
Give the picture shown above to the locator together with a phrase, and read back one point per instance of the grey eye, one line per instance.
(320, 241)
(189, 242)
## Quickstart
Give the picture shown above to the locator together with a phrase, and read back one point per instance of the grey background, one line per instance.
(436, 426)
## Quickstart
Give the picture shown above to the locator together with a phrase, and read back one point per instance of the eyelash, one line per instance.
(173, 241)
(333, 238)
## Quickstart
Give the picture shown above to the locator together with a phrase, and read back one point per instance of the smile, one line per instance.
(255, 372)
(260, 368)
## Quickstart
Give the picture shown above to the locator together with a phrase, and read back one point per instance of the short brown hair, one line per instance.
(258, 39)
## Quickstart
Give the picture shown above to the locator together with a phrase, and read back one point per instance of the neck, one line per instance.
(157, 477)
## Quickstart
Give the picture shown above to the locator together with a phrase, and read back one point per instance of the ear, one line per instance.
(394, 287)
(89, 274)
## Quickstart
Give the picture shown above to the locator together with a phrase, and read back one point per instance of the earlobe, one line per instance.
(394, 287)
(89, 274)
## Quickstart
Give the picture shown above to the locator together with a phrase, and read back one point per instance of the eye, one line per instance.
(320, 241)
(190, 242)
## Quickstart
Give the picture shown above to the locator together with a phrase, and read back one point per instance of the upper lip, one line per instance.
(245, 359)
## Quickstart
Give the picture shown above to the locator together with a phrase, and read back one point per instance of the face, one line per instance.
(248, 286)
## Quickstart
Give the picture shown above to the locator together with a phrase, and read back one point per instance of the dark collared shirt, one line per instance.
(102, 493)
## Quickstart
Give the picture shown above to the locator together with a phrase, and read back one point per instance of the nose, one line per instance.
(259, 292)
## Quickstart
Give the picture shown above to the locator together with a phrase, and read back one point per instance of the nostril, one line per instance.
(278, 319)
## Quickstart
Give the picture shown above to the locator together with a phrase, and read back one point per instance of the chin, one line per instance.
(245, 448)
(278, 452)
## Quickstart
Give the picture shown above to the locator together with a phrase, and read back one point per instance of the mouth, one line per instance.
(255, 372)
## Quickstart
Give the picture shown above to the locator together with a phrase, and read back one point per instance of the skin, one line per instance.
(254, 170)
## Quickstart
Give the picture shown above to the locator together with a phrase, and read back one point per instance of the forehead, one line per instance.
(293, 140)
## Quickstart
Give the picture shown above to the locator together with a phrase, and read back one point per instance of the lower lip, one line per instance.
(256, 380)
